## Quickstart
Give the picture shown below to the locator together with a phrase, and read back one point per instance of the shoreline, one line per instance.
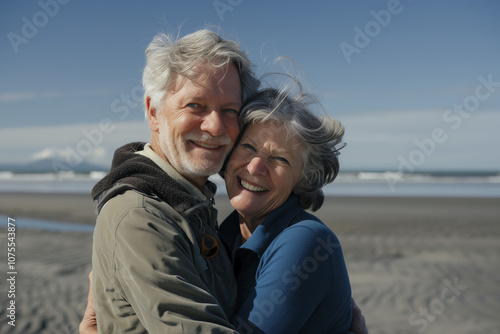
(79, 208)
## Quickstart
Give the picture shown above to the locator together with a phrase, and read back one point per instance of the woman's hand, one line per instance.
(89, 321)
(358, 324)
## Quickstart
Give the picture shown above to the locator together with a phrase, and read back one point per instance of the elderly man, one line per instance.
(158, 264)
(156, 260)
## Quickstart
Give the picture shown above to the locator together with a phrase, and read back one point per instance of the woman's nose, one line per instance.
(257, 166)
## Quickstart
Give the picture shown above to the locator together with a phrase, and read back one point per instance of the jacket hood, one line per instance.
(135, 171)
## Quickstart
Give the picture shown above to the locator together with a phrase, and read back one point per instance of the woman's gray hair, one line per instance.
(167, 59)
(319, 133)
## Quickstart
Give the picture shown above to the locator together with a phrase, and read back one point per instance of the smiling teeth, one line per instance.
(250, 187)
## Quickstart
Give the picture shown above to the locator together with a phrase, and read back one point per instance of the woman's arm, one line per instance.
(89, 321)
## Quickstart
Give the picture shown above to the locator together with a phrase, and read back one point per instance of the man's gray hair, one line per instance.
(167, 59)
(319, 133)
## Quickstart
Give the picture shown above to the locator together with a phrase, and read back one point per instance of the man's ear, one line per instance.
(152, 115)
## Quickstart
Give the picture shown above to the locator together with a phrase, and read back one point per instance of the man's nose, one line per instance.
(213, 123)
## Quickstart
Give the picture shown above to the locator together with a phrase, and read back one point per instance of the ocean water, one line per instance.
(346, 184)
(389, 184)
(46, 225)
(416, 185)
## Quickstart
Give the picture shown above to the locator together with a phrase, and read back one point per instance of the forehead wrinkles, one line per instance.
(270, 136)
(200, 76)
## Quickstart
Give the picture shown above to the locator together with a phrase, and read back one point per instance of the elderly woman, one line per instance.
(289, 266)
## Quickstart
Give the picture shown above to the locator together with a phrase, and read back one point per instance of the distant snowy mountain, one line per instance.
(51, 165)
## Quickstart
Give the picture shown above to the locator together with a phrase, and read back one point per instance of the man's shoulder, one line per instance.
(133, 202)
(133, 210)
(121, 203)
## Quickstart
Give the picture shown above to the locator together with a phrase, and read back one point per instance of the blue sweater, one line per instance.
(291, 274)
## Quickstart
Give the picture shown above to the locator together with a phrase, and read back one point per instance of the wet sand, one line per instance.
(417, 265)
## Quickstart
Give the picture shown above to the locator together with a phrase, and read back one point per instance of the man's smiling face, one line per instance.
(198, 122)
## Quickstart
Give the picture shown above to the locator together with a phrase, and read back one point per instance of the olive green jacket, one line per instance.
(148, 273)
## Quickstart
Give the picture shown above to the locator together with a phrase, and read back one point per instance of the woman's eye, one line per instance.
(280, 159)
(248, 146)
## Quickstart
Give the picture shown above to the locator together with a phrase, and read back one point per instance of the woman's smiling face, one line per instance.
(263, 169)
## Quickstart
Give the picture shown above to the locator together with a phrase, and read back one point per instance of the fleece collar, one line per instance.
(136, 171)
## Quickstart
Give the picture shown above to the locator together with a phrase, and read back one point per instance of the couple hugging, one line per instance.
(161, 263)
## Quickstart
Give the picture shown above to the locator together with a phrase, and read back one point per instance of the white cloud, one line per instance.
(92, 141)
(374, 140)
(381, 140)
(23, 96)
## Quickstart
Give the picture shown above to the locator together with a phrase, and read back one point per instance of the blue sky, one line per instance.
(416, 83)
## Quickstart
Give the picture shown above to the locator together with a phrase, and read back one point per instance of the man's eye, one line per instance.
(194, 105)
(231, 113)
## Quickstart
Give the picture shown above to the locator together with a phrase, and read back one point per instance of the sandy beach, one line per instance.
(417, 265)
